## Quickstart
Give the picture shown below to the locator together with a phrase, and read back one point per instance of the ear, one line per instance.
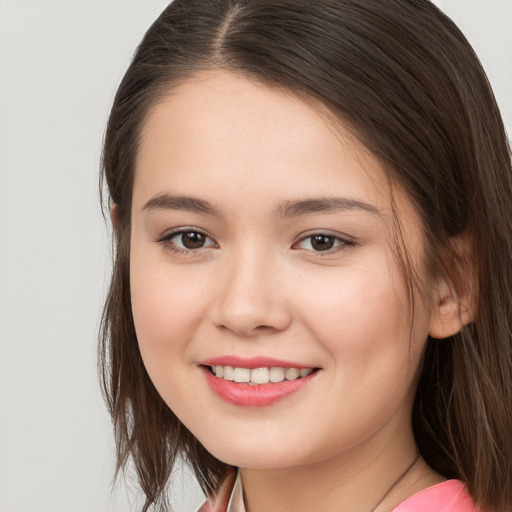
(455, 302)
(451, 313)
(114, 217)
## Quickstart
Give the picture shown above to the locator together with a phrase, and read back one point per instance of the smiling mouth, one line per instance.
(256, 376)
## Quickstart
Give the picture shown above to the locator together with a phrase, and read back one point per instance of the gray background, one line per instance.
(60, 63)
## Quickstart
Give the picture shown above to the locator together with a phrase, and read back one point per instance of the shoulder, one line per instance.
(448, 496)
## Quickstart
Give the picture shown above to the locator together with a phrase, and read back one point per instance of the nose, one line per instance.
(252, 299)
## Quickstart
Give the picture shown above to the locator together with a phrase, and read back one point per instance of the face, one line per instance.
(260, 251)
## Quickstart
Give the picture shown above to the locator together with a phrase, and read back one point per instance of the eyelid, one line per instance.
(165, 240)
(345, 241)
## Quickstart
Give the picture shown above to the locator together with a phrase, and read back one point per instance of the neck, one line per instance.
(371, 478)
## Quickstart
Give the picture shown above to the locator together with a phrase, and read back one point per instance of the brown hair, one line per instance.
(405, 79)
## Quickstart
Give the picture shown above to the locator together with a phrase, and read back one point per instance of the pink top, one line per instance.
(447, 496)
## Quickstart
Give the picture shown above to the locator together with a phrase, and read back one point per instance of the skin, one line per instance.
(257, 287)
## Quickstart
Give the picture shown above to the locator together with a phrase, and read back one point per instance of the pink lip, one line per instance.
(259, 395)
(251, 362)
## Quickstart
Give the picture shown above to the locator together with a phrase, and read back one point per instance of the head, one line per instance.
(400, 90)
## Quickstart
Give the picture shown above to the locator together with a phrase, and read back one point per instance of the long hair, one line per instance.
(409, 85)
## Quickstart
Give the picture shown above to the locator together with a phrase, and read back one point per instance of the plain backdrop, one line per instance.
(60, 63)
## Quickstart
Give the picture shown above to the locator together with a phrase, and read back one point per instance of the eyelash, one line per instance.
(341, 244)
(167, 243)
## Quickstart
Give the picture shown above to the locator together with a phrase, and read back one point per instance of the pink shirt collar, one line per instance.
(447, 496)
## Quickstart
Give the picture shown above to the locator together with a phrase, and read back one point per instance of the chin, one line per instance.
(253, 453)
(265, 452)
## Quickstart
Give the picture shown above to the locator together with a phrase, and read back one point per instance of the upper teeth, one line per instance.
(259, 375)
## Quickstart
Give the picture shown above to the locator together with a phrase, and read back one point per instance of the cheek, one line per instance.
(167, 311)
(361, 317)
(167, 308)
(354, 308)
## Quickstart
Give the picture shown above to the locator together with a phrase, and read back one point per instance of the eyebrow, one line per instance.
(190, 204)
(284, 210)
(323, 205)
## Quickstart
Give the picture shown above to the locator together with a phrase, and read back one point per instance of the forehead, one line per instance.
(222, 128)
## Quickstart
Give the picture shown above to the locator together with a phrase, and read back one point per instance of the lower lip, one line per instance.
(258, 395)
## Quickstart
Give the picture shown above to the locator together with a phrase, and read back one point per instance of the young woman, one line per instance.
(311, 298)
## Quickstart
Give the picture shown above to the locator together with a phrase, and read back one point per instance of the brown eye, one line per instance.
(192, 240)
(322, 242)
(186, 240)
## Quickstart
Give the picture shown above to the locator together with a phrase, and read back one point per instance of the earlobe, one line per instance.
(450, 314)
(114, 217)
(455, 304)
